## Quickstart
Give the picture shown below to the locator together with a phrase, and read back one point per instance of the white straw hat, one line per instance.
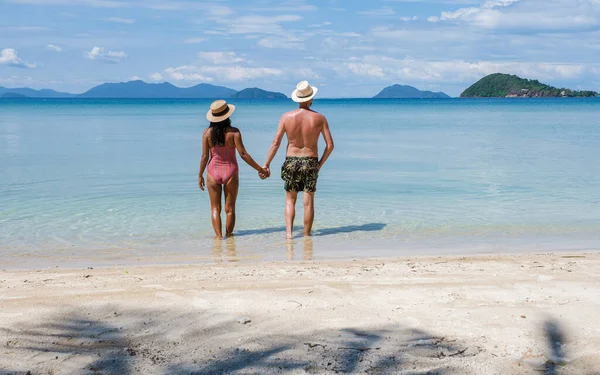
(304, 92)
(219, 111)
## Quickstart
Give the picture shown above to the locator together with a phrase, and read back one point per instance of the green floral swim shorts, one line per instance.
(300, 173)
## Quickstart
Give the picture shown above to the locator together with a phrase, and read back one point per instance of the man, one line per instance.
(300, 170)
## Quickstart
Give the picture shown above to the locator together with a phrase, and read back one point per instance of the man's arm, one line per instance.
(328, 143)
(276, 143)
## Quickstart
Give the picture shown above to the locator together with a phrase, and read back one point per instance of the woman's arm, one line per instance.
(239, 145)
(203, 159)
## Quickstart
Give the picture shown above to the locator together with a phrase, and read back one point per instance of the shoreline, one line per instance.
(460, 314)
(256, 260)
(312, 249)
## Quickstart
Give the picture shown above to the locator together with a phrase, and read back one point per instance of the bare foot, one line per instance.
(229, 235)
(289, 236)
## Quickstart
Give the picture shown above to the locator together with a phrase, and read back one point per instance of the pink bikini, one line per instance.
(223, 164)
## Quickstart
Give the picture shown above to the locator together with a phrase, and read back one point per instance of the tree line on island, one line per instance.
(496, 85)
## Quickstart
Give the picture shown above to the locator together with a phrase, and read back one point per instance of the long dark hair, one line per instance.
(217, 134)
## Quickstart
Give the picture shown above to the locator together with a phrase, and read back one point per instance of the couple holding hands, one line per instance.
(300, 171)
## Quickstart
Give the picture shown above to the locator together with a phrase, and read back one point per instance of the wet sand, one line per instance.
(512, 314)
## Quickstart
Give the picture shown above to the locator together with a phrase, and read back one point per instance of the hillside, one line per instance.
(12, 95)
(141, 89)
(501, 85)
(256, 93)
(31, 93)
(408, 92)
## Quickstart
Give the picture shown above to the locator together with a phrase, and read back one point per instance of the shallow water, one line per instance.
(103, 182)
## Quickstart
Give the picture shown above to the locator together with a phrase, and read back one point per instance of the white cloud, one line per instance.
(285, 6)
(219, 73)
(219, 11)
(361, 69)
(281, 42)
(8, 56)
(156, 77)
(195, 40)
(187, 73)
(24, 28)
(91, 3)
(407, 19)
(257, 24)
(98, 53)
(135, 78)
(422, 70)
(121, 20)
(53, 47)
(536, 15)
(378, 12)
(220, 57)
(322, 24)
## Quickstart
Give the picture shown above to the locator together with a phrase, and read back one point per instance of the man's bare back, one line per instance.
(300, 170)
(303, 128)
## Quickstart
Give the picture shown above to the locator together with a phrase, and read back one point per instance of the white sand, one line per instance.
(515, 314)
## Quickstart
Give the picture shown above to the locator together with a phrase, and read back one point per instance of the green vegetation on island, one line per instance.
(501, 85)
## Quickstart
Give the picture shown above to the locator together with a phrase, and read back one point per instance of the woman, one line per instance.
(222, 140)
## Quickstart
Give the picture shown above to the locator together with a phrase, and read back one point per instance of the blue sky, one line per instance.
(348, 48)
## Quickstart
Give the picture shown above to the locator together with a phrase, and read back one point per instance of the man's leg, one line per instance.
(309, 212)
(290, 212)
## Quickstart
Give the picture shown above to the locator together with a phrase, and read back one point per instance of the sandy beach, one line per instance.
(513, 314)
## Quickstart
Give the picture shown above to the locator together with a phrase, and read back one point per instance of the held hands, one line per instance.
(266, 173)
(201, 182)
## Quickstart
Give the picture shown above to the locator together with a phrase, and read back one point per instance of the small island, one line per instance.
(256, 93)
(408, 92)
(501, 85)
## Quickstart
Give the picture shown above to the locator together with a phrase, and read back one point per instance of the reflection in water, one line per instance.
(307, 253)
(231, 253)
(217, 249)
(308, 248)
(230, 246)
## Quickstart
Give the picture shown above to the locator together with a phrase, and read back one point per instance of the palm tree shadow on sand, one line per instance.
(143, 341)
(371, 227)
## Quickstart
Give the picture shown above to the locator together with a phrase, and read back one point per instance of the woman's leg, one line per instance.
(214, 192)
(231, 192)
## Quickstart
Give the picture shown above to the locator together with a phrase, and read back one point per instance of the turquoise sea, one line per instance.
(105, 182)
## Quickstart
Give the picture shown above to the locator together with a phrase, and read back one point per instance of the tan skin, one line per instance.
(233, 138)
(303, 128)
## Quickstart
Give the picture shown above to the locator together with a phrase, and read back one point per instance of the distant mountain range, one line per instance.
(408, 92)
(31, 93)
(501, 85)
(143, 90)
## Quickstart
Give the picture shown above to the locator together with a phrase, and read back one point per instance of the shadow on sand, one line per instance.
(371, 227)
(149, 343)
(555, 338)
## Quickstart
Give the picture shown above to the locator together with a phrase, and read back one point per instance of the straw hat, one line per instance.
(304, 92)
(219, 111)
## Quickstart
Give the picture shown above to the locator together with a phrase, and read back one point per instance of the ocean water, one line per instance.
(106, 182)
